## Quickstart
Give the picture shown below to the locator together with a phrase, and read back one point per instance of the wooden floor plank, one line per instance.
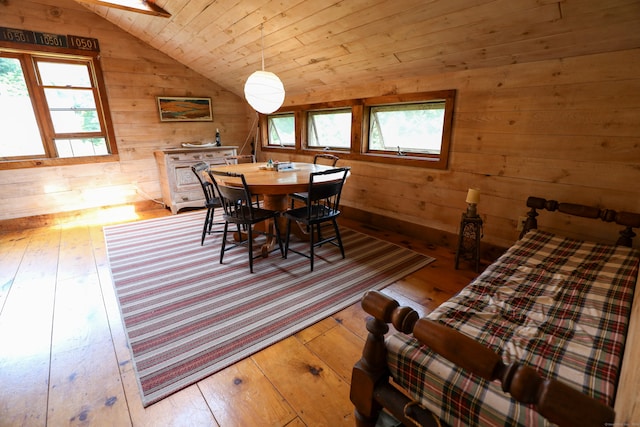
(12, 249)
(242, 396)
(25, 333)
(342, 362)
(76, 254)
(317, 329)
(296, 423)
(318, 394)
(354, 318)
(81, 341)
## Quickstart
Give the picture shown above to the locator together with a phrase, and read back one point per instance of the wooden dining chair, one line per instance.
(243, 158)
(239, 158)
(239, 210)
(325, 159)
(323, 205)
(212, 202)
(318, 159)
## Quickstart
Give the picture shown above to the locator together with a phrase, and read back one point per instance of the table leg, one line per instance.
(276, 202)
(279, 202)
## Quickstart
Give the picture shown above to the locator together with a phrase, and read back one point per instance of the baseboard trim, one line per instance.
(62, 218)
(430, 235)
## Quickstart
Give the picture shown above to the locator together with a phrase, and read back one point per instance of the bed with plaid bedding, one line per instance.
(557, 304)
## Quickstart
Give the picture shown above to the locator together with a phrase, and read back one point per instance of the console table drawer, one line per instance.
(198, 156)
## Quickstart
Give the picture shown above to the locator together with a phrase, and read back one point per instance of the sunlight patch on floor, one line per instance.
(110, 215)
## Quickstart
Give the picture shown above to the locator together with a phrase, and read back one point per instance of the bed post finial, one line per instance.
(531, 222)
(626, 237)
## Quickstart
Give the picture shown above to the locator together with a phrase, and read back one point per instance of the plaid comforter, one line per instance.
(557, 304)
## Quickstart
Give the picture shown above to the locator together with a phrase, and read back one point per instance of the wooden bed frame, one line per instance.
(627, 219)
(371, 389)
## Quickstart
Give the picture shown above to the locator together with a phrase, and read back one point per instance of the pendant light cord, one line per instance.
(262, 44)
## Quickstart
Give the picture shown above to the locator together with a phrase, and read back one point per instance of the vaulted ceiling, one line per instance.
(321, 46)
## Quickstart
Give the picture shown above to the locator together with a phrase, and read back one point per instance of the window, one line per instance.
(52, 108)
(72, 107)
(404, 129)
(329, 129)
(282, 130)
(407, 128)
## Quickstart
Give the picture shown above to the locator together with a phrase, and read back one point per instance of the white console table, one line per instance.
(180, 187)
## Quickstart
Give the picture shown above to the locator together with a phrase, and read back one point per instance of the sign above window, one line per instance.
(15, 35)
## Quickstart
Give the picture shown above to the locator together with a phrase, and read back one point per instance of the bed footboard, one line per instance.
(371, 389)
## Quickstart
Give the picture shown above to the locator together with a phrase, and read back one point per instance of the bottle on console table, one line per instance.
(218, 143)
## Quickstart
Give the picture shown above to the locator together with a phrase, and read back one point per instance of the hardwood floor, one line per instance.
(64, 358)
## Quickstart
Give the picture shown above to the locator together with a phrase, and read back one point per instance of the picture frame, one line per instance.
(184, 109)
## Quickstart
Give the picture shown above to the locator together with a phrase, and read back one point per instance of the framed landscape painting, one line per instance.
(181, 109)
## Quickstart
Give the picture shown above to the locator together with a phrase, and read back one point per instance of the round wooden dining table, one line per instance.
(274, 187)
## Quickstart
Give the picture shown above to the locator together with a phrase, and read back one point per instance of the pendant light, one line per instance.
(263, 90)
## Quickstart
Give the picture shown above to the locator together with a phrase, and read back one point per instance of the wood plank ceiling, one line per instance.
(321, 46)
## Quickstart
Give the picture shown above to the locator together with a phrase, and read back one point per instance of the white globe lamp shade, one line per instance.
(264, 92)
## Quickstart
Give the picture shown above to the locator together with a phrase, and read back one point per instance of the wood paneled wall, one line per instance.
(134, 74)
(560, 129)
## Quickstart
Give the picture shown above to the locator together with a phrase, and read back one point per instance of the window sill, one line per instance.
(402, 160)
(387, 158)
(37, 163)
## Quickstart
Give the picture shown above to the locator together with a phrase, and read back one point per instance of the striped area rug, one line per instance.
(188, 316)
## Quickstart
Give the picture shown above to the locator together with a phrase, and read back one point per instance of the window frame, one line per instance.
(268, 130)
(401, 107)
(307, 124)
(360, 110)
(27, 57)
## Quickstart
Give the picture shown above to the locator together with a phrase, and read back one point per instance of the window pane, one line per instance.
(72, 110)
(329, 129)
(20, 135)
(75, 121)
(412, 128)
(81, 147)
(282, 130)
(70, 98)
(63, 74)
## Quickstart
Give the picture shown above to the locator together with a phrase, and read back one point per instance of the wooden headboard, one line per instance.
(627, 219)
